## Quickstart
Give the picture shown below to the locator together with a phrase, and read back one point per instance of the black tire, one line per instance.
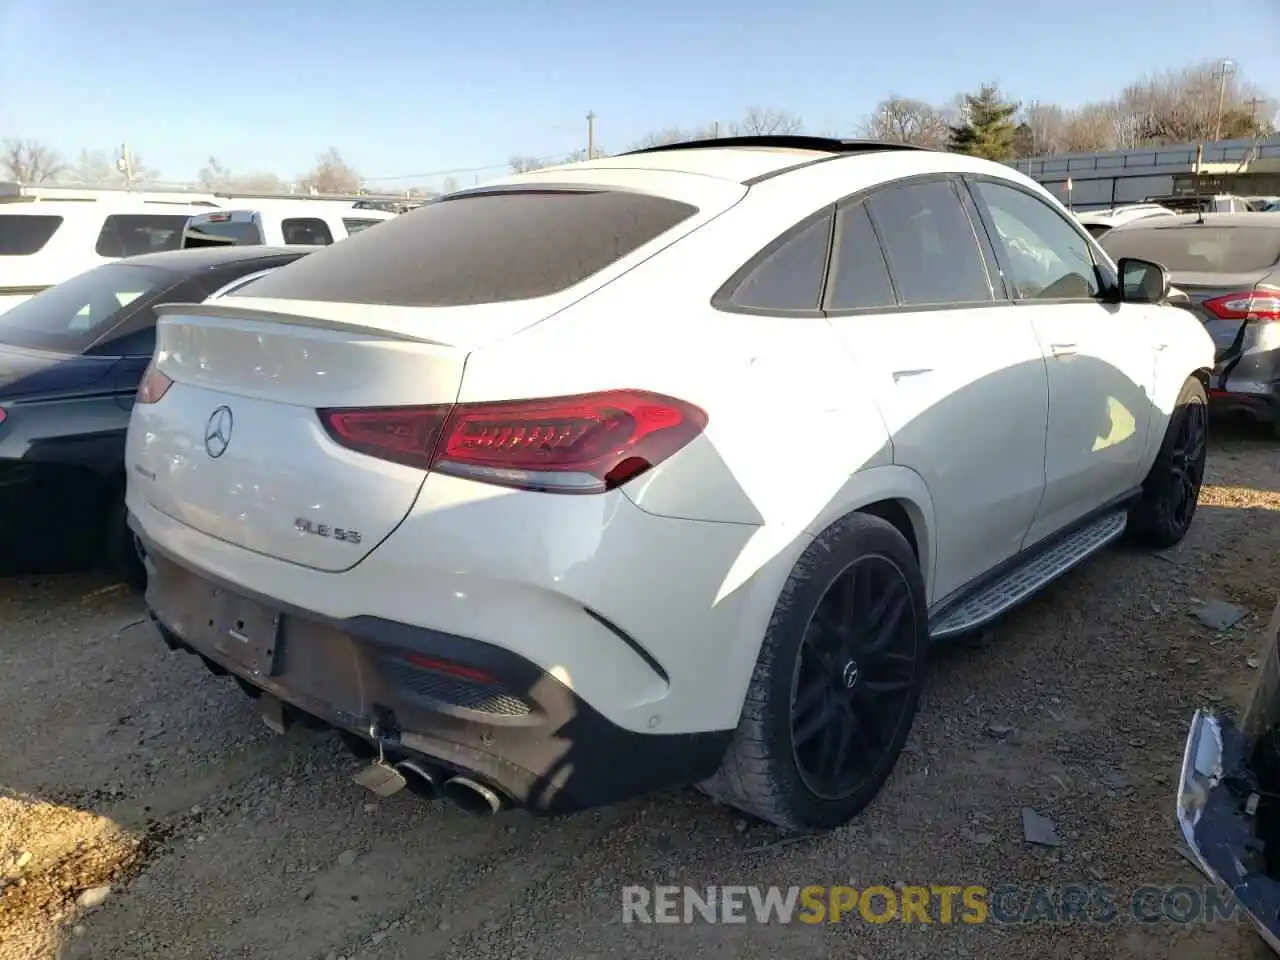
(121, 547)
(1171, 491)
(764, 771)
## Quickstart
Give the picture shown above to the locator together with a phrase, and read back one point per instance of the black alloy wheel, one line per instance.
(1186, 464)
(852, 689)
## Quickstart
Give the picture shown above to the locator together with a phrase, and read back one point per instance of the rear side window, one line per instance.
(306, 231)
(225, 231)
(481, 248)
(790, 276)
(355, 226)
(861, 278)
(21, 236)
(930, 244)
(129, 234)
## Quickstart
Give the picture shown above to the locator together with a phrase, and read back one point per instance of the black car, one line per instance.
(70, 362)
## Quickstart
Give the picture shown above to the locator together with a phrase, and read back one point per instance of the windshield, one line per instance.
(72, 316)
(1199, 248)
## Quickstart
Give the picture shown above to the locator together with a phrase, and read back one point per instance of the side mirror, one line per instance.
(1142, 281)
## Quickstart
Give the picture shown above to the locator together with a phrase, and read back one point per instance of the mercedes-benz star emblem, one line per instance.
(217, 432)
(850, 675)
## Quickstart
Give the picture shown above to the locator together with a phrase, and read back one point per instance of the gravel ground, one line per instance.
(145, 811)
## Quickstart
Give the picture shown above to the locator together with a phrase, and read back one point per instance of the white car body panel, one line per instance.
(806, 424)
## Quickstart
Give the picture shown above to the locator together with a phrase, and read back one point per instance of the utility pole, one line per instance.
(124, 163)
(1222, 95)
(591, 134)
(715, 129)
(1254, 104)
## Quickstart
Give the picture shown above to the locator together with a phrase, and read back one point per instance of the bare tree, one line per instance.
(526, 164)
(659, 138)
(96, 168)
(215, 176)
(1090, 128)
(763, 121)
(1044, 125)
(904, 120)
(331, 174)
(30, 161)
(450, 185)
(1183, 106)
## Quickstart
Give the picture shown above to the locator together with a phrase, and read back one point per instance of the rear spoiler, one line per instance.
(226, 311)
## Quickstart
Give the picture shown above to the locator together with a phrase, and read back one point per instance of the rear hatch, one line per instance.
(236, 449)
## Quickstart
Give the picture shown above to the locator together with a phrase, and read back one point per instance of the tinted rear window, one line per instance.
(355, 226)
(232, 231)
(482, 248)
(129, 234)
(73, 315)
(21, 236)
(1199, 248)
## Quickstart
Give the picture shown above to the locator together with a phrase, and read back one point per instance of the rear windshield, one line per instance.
(73, 315)
(481, 248)
(1198, 248)
(129, 234)
(355, 226)
(222, 232)
(22, 235)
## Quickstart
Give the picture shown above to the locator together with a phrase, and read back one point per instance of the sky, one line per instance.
(420, 90)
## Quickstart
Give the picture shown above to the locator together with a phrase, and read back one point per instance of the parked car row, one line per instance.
(46, 242)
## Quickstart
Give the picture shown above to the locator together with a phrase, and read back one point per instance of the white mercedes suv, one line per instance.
(657, 470)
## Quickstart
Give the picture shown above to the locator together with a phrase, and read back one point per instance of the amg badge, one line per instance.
(303, 525)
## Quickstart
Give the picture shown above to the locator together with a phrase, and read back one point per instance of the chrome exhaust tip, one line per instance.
(418, 778)
(474, 798)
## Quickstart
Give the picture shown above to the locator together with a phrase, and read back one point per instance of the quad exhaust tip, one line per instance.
(418, 778)
(474, 798)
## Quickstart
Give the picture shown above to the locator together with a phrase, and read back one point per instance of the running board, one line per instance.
(1025, 579)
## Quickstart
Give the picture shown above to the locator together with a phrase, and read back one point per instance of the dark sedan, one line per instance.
(70, 362)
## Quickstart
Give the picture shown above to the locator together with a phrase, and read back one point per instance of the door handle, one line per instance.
(901, 374)
(1064, 349)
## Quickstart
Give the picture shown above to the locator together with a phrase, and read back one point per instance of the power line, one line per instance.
(444, 173)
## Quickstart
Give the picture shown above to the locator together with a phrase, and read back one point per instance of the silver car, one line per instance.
(1228, 266)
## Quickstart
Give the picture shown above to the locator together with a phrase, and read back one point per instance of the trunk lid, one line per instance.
(1201, 287)
(27, 372)
(235, 448)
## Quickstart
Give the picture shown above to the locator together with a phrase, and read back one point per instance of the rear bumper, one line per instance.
(1262, 407)
(458, 703)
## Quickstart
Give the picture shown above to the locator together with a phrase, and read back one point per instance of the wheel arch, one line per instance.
(896, 494)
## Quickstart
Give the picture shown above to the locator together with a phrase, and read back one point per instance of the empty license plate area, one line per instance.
(244, 631)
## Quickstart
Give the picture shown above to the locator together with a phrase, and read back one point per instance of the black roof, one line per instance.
(194, 259)
(781, 142)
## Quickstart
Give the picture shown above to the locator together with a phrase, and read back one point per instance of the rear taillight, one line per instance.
(578, 444)
(3, 416)
(1246, 305)
(153, 385)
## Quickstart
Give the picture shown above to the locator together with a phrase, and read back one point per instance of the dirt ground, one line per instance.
(146, 811)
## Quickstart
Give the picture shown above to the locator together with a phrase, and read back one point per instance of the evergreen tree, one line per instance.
(988, 129)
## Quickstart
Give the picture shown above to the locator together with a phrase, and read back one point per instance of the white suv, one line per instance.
(45, 242)
(312, 223)
(658, 469)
